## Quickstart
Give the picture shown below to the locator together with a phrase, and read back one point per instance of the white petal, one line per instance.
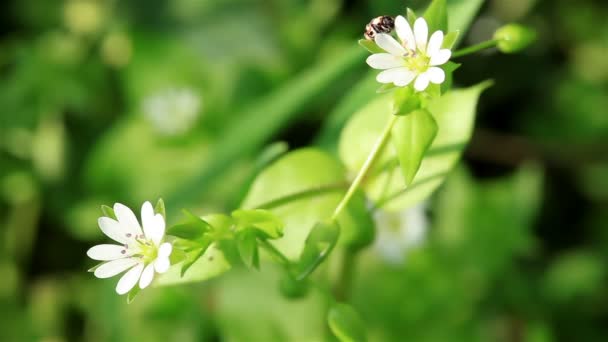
(386, 76)
(165, 250)
(403, 77)
(421, 32)
(161, 264)
(146, 276)
(129, 279)
(147, 217)
(384, 61)
(440, 57)
(404, 31)
(155, 231)
(107, 252)
(127, 219)
(436, 75)
(421, 82)
(112, 229)
(389, 44)
(114, 267)
(434, 43)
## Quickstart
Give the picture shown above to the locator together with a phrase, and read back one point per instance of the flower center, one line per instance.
(145, 248)
(417, 61)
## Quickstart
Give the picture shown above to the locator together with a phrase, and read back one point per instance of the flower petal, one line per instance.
(165, 250)
(384, 61)
(403, 77)
(421, 32)
(386, 76)
(112, 229)
(161, 264)
(129, 279)
(147, 217)
(436, 75)
(107, 252)
(441, 57)
(114, 267)
(405, 33)
(146, 276)
(155, 231)
(127, 219)
(434, 43)
(421, 82)
(389, 44)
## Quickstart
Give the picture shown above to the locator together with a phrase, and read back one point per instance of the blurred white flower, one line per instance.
(172, 111)
(399, 232)
(140, 252)
(416, 58)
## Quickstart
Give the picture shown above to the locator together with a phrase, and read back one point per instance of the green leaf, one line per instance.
(412, 136)
(449, 69)
(405, 100)
(192, 256)
(108, 212)
(450, 39)
(370, 46)
(454, 113)
(263, 220)
(436, 16)
(461, 15)
(132, 294)
(247, 245)
(386, 87)
(211, 264)
(345, 323)
(160, 208)
(318, 245)
(294, 177)
(192, 229)
(411, 16)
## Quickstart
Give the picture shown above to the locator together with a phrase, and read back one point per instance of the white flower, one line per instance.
(399, 232)
(172, 111)
(141, 253)
(415, 58)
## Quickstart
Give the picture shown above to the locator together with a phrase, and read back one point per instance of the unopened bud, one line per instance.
(513, 38)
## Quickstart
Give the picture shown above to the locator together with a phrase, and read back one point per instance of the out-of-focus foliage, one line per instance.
(126, 101)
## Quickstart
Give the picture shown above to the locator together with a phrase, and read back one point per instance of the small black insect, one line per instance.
(381, 24)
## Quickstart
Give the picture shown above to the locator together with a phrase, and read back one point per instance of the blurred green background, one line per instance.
(126, 101)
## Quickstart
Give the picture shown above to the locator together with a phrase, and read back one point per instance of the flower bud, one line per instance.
(513, 38)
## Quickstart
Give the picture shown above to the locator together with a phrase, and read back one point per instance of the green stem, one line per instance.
(320, 190)
(371, 159)
(274, 252)
(345, 278)
(474, 48)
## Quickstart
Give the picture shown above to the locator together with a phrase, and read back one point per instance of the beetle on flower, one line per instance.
(140, 252)
(416, 58)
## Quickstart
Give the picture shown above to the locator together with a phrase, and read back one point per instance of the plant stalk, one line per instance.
(474, 48)
(363, 172)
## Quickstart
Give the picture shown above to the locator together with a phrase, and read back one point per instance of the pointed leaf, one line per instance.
(160, 208)
(412, 136)
(405, 100)
(247, 245)
(345, 323)
(263, 220)
(211, 264)
(411, 16)
(370, 46)
(108, 212)
(192, 229)
(454, 113)
(436, 16)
